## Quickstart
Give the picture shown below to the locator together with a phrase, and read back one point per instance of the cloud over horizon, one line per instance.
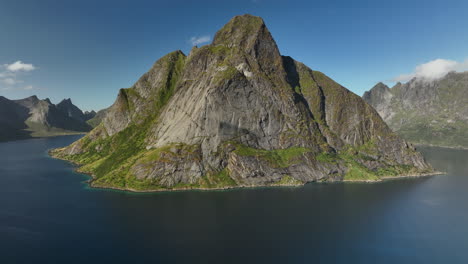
(432, 70)
(9, 74)
(195, 41)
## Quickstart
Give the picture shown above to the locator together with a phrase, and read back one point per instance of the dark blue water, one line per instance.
(48, 215)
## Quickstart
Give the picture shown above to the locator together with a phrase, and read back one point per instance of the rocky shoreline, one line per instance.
(386, 178)
(438, 146)
(90, 182)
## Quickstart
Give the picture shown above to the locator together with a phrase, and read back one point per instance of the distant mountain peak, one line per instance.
(381, 86)
(32, 98)
(67, 101)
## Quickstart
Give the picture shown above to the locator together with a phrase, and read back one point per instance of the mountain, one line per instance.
(96, 118)
(32, 117)
(236, 113)
(430, 112)
(67, 107)
(88, 115)
(12, 117)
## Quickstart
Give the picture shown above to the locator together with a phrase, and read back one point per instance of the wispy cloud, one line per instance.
(432, 70)
(10, 73)
(9, 81)
(19, 66)
(195, 41)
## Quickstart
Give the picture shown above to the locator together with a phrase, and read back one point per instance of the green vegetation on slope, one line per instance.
(435, 131)
(281, 158)
(353, 158)
(109, 159)
(426, 112)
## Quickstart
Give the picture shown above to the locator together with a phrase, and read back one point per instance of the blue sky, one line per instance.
(87, 50)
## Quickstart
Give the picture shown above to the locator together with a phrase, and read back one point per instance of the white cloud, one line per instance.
(19, 66)
(29, 87)
(432, 70)
(195, 41)
(10, 72)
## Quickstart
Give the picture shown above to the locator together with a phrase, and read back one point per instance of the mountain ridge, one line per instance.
(426, 112)
(32, 117)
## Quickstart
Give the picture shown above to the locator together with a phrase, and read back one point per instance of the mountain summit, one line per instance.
(236, 113)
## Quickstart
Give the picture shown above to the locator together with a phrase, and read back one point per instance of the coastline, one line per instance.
(192, 189)
(438, 146)
(92, 177)
(52, 135)
(388, 178)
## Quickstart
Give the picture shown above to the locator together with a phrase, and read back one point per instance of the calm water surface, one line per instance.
(49, 215)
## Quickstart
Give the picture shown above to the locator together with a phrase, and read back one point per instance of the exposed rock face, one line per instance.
(32, 117)
(424, 111)
(237, 113)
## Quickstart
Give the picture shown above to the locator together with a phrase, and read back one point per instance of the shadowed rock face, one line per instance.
(424, 111)
(237, 113)
(66, 106)
(12, 117)
(32, 117)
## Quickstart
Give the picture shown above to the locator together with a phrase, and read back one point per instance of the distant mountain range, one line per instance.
(429, 112)
(32, 117)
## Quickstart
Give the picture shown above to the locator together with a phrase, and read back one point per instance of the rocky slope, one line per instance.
(236, 113)
(432, 112)
(32, 117)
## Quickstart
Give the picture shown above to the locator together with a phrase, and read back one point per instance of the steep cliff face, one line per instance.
(425, 111)
(237, 113)
(32, 117)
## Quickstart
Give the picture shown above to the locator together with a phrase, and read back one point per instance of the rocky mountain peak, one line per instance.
(379, 93)
(237, 113)
(71, 110)
(381, 86)
(32, 98)
(249, 34)
(239, 30)
(66, 102)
